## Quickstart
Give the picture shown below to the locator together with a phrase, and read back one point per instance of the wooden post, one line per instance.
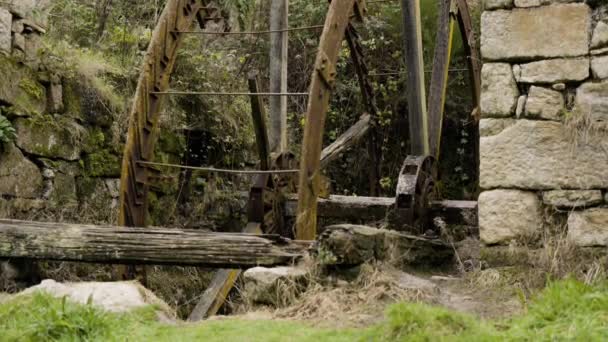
(279, 10)
(439, 77)
(416, 95)
(323, 82)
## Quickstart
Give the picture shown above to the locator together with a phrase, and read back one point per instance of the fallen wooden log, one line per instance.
(160, 246)
(351, 245)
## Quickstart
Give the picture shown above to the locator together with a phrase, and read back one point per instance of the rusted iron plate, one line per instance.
(415, 190)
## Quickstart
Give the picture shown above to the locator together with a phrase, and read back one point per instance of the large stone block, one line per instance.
(20, 89)
(5, 31)
(505, 215)
(543, 32)
(491, 126)
(553, 70)
(589, 228)
(266, 285)
(600, 35)
(47, 137)
(592, 99)
(541, 155)
(499, 91)
(18, 175)
(599, 66)
(544, 103)
(497, 4)
(536, 3)
(569, 199)
(35, 10)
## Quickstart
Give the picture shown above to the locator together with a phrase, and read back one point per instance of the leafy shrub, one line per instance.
(7, 132)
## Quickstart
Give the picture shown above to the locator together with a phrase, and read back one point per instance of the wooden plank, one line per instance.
(439, 77)
(159, 246)
(278, 58)
(258, 115)
(369, 100)
(222, 283)
(348, 139)
(322, 83)
(416, 98)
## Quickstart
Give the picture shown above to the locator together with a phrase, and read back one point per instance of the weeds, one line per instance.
(565, 310)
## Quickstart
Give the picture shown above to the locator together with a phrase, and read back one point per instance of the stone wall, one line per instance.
(544, 136)
(64, 158)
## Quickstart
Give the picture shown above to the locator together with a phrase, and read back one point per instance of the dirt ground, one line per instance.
(363, 301)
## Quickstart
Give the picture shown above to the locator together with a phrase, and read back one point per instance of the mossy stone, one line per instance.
(102, 164)
(45, 136)
(20, 89)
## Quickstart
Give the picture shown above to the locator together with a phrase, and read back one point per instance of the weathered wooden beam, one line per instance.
(348, 139)
(361, 208)
(439, 77)
(279, 21)
(127, 245)
(258, 114)
(351, 245)
(416, 98)
(222, 283)
(321, 86)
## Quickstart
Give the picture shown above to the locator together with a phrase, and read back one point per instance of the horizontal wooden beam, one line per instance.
(160, 246)
(376, 208)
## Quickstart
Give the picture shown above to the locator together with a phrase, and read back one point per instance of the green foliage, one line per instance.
(102, 163)
(567, 310)
(34, 89)
(7, 132)
(42, 318)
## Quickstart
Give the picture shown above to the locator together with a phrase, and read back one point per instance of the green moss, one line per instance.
(71, 100)
(32, 88)
(102, 164)
(86, 186)
(171, 142)
(94, 141)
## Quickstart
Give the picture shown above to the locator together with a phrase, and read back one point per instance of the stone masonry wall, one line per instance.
(62, 158)
(544, 103)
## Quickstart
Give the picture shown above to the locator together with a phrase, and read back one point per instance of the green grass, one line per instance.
(566, 310)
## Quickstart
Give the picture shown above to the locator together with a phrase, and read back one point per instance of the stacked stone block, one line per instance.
(54, 161)
(544, 104)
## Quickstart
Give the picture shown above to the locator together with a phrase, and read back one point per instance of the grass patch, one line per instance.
(565, 310)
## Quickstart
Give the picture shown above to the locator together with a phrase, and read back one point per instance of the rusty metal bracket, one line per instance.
(326, 69)
(414, 193)
(360, 10)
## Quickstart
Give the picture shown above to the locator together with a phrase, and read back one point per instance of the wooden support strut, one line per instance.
(338, 17)
(224, 279)
(178, 15)
(416, 98)
(439, 77)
